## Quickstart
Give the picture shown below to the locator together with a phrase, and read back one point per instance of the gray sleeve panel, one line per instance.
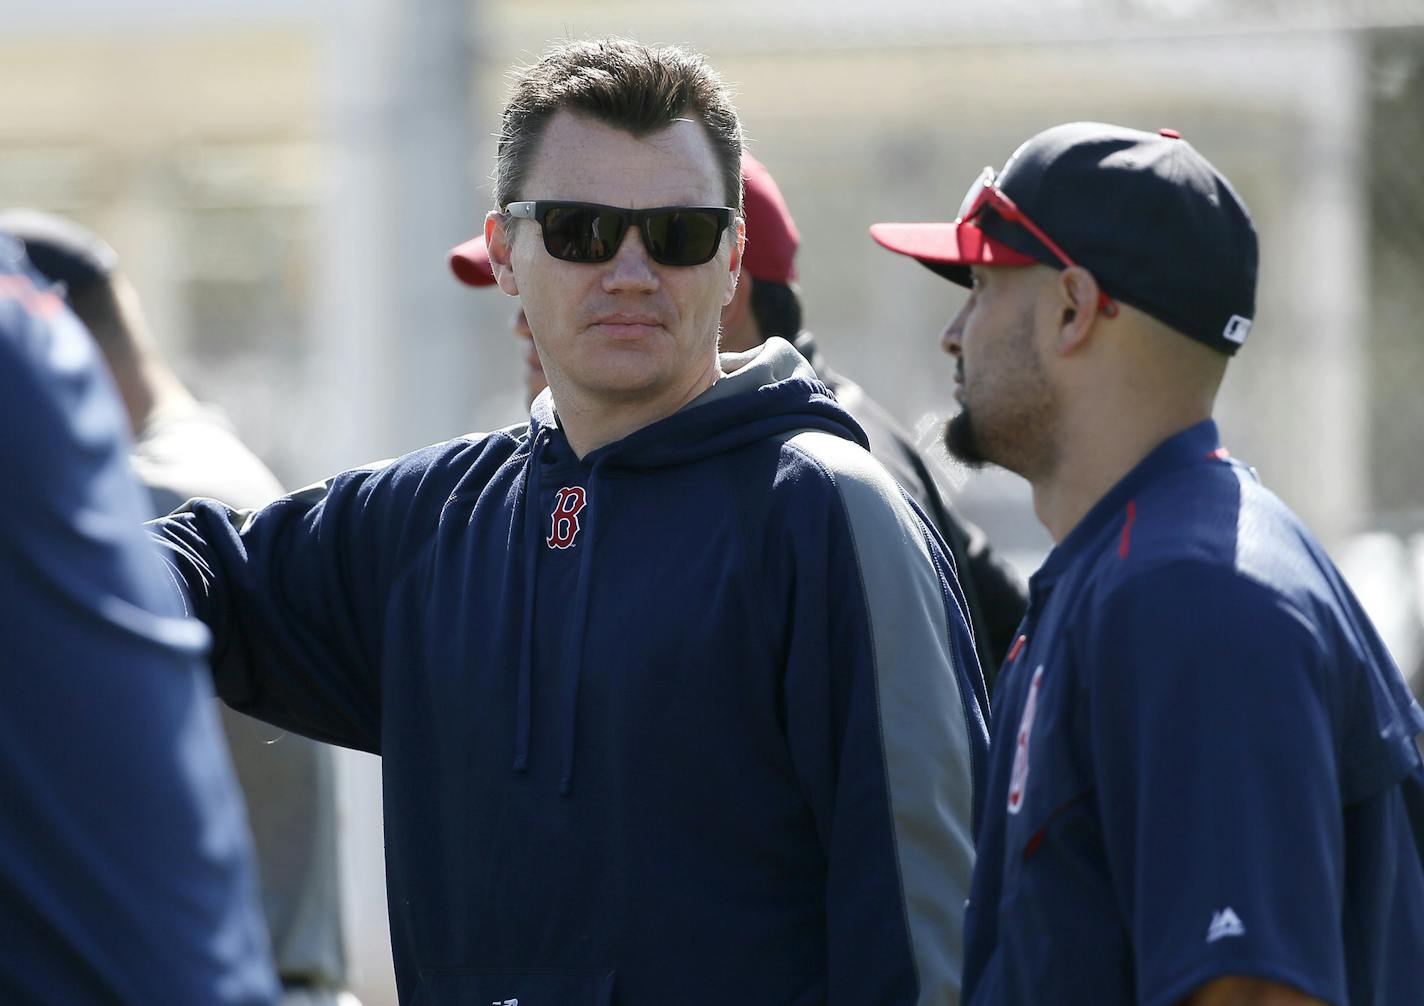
(924, 731)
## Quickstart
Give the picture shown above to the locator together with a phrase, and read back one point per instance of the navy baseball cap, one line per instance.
(1145, 213)
(61, 250)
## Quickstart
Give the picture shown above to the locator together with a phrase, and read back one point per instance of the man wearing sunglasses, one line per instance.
(767, 303)
(1205, 787)
(673, 689)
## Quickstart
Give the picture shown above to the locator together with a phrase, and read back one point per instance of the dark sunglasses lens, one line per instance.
(582, 233)
(682, 237)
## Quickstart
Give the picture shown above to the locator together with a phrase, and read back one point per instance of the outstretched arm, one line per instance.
(296, 593)
(288, 644)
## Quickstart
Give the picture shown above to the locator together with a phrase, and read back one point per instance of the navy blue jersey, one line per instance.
(693, 719)
(125, 872)
(1204, 763)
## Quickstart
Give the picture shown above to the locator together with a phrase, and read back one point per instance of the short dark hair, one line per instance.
(776, 308)
(97, 305)
(625, 84)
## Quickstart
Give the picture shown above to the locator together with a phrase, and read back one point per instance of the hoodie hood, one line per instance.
(762, 393)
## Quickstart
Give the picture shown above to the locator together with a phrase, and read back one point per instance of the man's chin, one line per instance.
(962, 441)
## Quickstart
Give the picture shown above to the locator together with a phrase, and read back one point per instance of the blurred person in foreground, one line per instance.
(767, 303)
(184, 449)
(673, 691)
(1204, 787)
(125, 871)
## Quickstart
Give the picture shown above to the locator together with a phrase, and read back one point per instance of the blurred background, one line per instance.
(283, 178)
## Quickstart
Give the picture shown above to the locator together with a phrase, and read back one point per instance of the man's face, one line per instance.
(629, 329)
(1009, 405)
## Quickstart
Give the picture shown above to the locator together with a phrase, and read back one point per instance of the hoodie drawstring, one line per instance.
(578, 628)
(774, 393)
(533, 528)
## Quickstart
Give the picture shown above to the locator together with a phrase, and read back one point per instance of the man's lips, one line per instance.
(627, 326)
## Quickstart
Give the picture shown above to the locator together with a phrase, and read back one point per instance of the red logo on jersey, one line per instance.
(567, 505)
(1018, 778)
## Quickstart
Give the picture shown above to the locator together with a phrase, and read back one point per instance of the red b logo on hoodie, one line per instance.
(567, 504)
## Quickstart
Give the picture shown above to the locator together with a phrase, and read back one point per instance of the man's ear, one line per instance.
(1076, 295)
(739, 327)
(497, 240)
(734, 261)
(739, 307)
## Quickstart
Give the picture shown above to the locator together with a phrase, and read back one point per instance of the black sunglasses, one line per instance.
(591, 232)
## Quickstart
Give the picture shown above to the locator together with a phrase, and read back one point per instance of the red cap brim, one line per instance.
(952, 244)
(470, 263)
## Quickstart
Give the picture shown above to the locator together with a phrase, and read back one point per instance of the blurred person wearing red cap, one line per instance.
(471, 265)
(672, 685)
(1204, 784)
(767, 303)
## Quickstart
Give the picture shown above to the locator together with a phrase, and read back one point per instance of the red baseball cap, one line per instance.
(770, 253)
(470, 263)
(772, 238)
(948, 249)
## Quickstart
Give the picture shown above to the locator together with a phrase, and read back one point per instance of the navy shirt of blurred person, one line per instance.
(125, 868)
(183, 449)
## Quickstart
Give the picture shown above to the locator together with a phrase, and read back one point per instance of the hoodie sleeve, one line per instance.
(1218, 780)
(295, 593)
(885, 722)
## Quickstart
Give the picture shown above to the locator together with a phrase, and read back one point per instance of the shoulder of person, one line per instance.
(427, 477)
(816, 466)
(1217, 527)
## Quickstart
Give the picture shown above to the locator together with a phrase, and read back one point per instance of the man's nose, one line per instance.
(949, 339)
(631, 268)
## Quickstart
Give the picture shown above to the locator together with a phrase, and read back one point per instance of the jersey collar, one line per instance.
(1192, 445)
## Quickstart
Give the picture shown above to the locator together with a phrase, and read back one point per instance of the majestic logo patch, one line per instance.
(1223, 924)
(568, 503)
(1236, 329)
(1018, 778)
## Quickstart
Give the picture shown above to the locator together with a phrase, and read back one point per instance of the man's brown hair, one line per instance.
(625, 84)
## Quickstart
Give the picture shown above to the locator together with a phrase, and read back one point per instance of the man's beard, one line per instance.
(1016, 419)
(962, 440)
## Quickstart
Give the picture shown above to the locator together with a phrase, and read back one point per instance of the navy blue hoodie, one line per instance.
(693, 719)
